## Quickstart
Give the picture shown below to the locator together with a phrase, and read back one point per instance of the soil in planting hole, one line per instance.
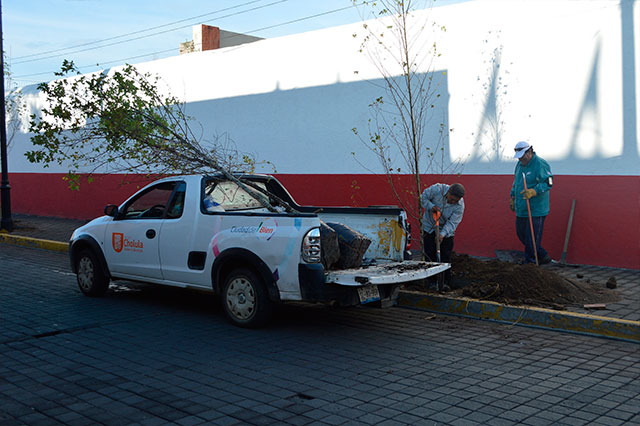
(512, 283)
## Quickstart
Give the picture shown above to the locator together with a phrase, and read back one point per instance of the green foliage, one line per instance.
(122, 122)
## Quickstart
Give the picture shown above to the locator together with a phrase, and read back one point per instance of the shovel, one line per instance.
(436, 218)
(533, 235)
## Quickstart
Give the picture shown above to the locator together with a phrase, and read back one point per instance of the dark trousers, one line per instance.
(524, 235)
(446, 250)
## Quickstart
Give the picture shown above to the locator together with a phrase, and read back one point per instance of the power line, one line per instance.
(239, 35)
(134, 32)
(103, 63)
(302, 19)
(146, 36)
(173, 49)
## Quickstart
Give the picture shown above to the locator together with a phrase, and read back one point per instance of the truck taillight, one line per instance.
(311, 246)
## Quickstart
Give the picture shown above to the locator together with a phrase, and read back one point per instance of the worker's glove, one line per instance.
(529, 193)
(512, 204)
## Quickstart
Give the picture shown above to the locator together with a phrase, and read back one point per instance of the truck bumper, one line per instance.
(313, 288)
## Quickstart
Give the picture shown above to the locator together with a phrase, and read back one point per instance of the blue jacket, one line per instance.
(540, 178)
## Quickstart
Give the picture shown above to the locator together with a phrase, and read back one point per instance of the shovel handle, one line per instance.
(436, 218)
(533, 235)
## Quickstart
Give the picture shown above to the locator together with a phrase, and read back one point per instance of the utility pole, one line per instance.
(5, 195)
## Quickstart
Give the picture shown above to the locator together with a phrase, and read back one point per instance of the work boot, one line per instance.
(546, 259)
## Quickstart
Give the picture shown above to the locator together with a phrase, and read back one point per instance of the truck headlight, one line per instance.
(311, 246)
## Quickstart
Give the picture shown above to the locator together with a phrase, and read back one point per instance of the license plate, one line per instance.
(368, 294)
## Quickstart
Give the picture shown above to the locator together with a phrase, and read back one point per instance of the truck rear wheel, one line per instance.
(245, 299)
(91, 279)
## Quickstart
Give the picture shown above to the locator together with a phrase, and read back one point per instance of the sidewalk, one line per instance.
(617, 320)
(48, 228)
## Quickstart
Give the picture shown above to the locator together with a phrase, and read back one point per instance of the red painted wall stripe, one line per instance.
(605, 231)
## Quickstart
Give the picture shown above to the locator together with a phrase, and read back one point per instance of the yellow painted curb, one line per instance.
(524, 315)
(33, 242)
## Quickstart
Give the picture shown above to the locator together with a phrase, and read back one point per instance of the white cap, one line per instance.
(521, 148)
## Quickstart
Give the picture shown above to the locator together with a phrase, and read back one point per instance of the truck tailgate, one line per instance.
(386, 273)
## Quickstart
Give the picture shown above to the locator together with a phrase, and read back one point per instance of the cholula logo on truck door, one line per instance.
(119, 243)
(116, 241)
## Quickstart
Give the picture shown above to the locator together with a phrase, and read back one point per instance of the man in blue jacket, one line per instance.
(539, 182)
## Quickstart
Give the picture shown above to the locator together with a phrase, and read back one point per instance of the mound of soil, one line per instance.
(528, 284)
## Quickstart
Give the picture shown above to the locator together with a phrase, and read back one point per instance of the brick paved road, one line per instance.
(155, 356)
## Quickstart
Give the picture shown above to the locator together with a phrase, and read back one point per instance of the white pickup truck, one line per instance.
(209, 232)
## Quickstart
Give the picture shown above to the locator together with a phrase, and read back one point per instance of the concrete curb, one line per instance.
(523, 315)
(33, 242)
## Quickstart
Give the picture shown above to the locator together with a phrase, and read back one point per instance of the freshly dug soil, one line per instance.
(528, 284)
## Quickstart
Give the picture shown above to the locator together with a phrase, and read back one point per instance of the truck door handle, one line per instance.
(151, 233)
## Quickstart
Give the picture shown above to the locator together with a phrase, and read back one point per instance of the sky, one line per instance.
(39, 34)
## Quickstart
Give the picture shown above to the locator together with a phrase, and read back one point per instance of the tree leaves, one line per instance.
(124, 121)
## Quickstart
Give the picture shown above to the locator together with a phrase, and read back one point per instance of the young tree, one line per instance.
(397, 130)
(122, 122)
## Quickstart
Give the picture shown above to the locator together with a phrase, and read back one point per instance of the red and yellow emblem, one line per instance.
(117, 240)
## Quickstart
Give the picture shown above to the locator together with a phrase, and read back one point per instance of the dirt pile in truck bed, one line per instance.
(529, 284)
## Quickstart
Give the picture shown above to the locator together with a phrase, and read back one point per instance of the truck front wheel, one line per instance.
(245, 299)
(91, 279)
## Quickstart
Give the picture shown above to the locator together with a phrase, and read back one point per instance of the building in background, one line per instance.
(562, 75)
(207, 37)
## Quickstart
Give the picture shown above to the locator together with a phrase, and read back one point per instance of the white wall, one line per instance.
(563, 83)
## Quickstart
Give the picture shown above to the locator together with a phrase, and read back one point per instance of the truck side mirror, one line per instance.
(111, 210)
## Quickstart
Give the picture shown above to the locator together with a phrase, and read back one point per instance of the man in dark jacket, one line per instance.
(539, 180)
(447, 202)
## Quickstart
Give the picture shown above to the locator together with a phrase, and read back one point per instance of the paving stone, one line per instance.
(152, 421)
(227, 421)
(536, 421)
(470, 405)
(479, 417)
(464, 422)
(371, 419)
(608, 421)
(562, 409)
(514, 416)
(575, 421)
(189, 421)
(527, 409)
